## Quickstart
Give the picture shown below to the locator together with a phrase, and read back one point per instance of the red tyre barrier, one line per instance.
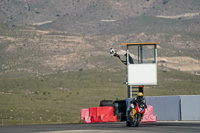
(98, 114)
(105, 114)
(148, 116)
(85, 116)
(93, 114)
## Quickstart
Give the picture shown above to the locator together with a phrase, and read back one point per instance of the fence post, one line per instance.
(40, 120)
(60, 120)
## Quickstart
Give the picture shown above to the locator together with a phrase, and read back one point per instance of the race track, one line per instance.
(118, 127)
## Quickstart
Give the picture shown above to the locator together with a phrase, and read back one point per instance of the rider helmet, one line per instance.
(140, 96)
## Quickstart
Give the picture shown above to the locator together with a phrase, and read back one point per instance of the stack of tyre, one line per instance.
(119, 108)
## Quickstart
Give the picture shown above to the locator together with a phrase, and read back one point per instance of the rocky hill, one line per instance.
(45, 36)
(35, 11)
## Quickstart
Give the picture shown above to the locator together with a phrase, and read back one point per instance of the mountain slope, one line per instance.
(34, 11)
(77, 34)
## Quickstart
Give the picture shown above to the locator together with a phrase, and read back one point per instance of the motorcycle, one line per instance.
(135, 115)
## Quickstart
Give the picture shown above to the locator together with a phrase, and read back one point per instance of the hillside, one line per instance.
(98, 25)
(27, 49)
(29, 11)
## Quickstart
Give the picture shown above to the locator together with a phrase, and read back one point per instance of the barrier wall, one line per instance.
(98, 114)
(148, 116)
(186, 107)
(85, 116)
(165, 107)
(190, 107)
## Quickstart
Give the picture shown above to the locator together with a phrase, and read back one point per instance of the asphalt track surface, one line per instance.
(118, 127)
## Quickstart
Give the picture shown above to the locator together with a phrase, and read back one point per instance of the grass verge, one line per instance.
(58, 98)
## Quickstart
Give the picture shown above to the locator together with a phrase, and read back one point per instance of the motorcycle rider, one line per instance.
(140, 100)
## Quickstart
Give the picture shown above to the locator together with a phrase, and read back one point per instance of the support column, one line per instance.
(141, 89)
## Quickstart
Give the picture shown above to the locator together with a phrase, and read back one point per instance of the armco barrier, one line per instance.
(165, 107)
(190, 107)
